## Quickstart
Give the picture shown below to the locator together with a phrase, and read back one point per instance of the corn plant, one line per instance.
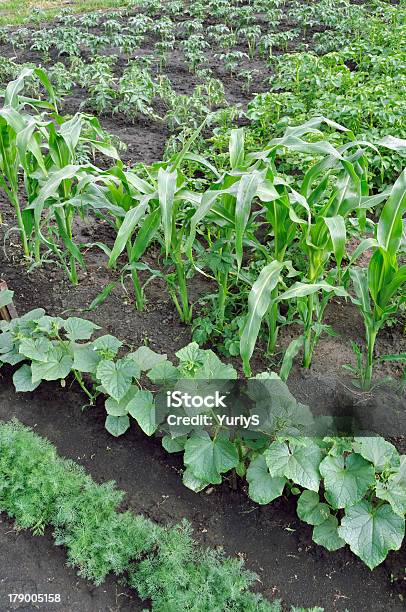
(332, 190)
(20, 142)
(379, 289)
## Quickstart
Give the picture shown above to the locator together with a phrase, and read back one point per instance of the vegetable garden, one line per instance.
(203, 199)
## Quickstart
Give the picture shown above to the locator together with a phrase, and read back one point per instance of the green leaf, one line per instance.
(85, 358)
(236, 148)
(263, 488)
(57, 365)
(247, 189)
(372, 532)
(393, 493)
(390, 227)
(302, 289)
(36, 350)
(117, 425)
(359, 277)
(191, 353)
(49, 325)
(299, 462)
(326, 534)
(192, 482)
(107, 343)
(166, 195)
(213, 368)
(102, 296)
(208, 458)
(163, 373)
(336, 227)
(145, 234)
(259, 300)
(375, 450)
(294, 347)
(120, 408)
(142, 409)
(146, 358)
(131, 219)
(22, 380)
(174, 445)
(346, 479)
(117, 377)
(79, 329)
(310, 510)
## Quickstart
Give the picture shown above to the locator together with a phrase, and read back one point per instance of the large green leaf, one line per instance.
(192, 482)
(359, 277)
(247, 188)
(142, 409)
(236, 148)
(310, 510)
(117, 425)
(163, 373)
(57, 365)
(120, 408)
(263, 488)
(390, 226)
(116, 377)
(302, 289)
(209, 458)
(394, 490)
(145, 234)
(346, 479)
(14, 88)
(393, 493)
(326, 534)
(85, 358)
(107, 343)
(79, 329)
(166, 194)
(376, 450)
(35, 348)
(146, 359)
(259, 301)
(371, 532)
(336, 227)
(22, 380)
(131, 219)
(298, 461)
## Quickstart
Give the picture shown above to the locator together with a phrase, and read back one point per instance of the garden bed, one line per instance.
(155, 85)
(271, 539)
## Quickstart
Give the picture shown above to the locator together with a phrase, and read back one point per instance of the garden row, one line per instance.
(337, 59)
(263, 237)
(163, 564)
(352, 490)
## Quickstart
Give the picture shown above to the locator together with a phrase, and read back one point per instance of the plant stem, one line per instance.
(371, 334)
(183, 293)
(83, 386)
(20, 222)
(73, 270)
(308, 349)
(222, 299)
(272, 320)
